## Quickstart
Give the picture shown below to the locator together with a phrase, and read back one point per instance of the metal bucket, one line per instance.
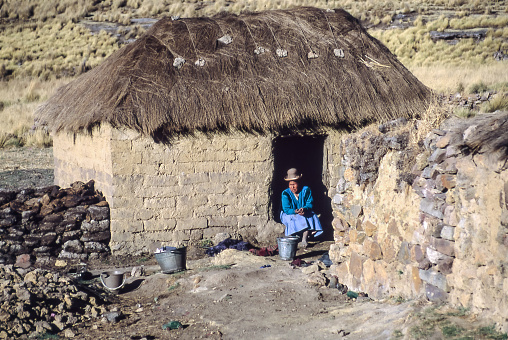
(172, 260)
(287, 247)
(113, 280)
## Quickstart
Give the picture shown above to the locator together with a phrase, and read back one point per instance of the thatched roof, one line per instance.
(236, 76)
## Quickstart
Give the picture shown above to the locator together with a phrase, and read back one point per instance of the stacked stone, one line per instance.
(50, 222)
(39, 302)
(435, 244)
(472, 102)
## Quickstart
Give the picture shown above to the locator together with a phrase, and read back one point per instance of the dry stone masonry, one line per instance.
(432, 223)
(47, 223)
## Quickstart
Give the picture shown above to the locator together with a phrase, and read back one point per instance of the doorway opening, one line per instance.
(306, 153)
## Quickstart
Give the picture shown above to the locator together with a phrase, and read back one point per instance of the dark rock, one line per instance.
(27, 216)
(53, 218)
(443, 246)
(66, 227)
(95, 247)
(52, 207)
(73, 246)
(424, 264)
(445, 265)
(48, 227)
(33, 240)
(435, 294)
(113, 317)
(392, 125)
(8, 221)
(476, 34)
(96, 226)
(6, 196)
(396, 142)
(17, 249)
(71, 201)
(71, 235)
(43, 250)
(75, 214)
(96, 237)
(48, 239)
(437, 156)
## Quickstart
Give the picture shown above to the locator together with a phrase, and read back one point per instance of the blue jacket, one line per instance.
(290, 203)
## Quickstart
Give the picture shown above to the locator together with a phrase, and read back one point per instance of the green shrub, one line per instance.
(478, 87)
(463, 112)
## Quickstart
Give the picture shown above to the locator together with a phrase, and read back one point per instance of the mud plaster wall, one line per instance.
(437, 230)
(178, 193)
(84, 157)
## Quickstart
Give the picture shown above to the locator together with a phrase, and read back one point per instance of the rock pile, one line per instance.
(471, 102)
(41, 302)
(51, 222)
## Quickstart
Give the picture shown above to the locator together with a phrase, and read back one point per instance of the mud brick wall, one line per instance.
(432, 224)
(48, 223)
(174, 193)
(84, 157)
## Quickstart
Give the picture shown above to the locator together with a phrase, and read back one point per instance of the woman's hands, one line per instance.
(299, 211)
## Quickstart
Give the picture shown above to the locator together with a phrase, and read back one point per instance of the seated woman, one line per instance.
(297, 204)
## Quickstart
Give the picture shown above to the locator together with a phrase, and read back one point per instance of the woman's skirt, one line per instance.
(296, 223)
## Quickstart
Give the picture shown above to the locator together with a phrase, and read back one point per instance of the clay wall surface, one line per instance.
(430, 224)
(189, 190)
(84, 157)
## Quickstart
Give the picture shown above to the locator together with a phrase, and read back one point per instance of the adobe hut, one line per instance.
(188, 131)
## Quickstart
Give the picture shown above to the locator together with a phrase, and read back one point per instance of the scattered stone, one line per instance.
(23, 261)
(69, 333)
(60, 263)
(113, 317)
(39, 301)
(138, 271)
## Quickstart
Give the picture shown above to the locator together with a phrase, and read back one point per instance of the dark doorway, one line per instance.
(306, 154)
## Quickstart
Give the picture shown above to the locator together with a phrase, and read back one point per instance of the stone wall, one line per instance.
(48, 223)
(430, 224)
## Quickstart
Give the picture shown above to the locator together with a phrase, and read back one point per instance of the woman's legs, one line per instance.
(304, 238)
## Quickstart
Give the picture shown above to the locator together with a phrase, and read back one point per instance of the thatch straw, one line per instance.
(353, 80)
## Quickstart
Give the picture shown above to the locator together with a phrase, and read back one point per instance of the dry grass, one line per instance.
(53, 50)
(449, 79)
(18, 100)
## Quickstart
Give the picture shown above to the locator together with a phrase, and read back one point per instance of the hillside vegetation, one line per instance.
(45, 44)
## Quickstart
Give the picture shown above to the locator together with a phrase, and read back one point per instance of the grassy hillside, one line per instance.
(44, 44)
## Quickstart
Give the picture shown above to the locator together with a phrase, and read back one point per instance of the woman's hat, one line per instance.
(293, 175)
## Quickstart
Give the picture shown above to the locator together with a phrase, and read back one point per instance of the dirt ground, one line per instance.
(26, 168)
(231, 296)
(237, 295)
